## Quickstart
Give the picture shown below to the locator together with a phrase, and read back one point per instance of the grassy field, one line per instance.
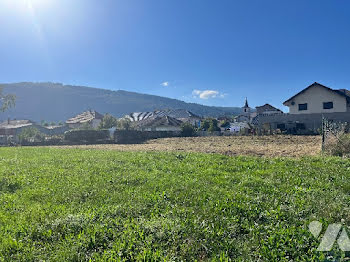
(76, 205)
(268, 146)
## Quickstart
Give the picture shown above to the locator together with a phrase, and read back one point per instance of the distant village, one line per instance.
(306, 111)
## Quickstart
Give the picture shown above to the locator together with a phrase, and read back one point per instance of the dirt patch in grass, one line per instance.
(268, 146)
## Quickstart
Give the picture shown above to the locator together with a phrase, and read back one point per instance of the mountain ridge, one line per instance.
(57, 102)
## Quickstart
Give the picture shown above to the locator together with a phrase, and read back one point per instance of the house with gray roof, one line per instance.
(268, 110)
(159, 123)
(11, 129)
(90, 118)
(180, 114)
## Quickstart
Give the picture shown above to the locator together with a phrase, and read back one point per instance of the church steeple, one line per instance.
(246, 108)
(246, 103)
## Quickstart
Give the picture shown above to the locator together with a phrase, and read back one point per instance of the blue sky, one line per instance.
(204, 51)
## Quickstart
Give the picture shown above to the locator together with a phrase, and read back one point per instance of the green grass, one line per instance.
(76, 205)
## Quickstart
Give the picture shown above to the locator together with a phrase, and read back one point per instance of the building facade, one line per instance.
(89, 118)
(318, 99)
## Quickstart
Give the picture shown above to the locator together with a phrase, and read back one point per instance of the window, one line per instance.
(302, 107)
(327, 105)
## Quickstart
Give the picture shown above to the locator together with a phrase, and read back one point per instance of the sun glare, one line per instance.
(26, 4)
(36, 3)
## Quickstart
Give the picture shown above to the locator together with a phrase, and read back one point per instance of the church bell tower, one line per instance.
(246, 108)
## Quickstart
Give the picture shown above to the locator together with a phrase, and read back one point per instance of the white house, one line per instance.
(238, 126)
(318, 98)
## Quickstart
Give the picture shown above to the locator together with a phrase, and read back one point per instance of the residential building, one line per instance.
(159, 123)
(267, 109)
(180, 114)
(317, 98)
(307, 109)
(237, 127)
(55, 130)
(89, 118)
(11, 129)
(241, 118)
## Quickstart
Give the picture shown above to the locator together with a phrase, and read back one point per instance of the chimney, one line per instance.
(8, 120)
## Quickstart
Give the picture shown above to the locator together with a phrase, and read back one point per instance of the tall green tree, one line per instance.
(209, 124)
(124, 124)
(6, 101)
(31, 133)
(187, 130)
(108, 121)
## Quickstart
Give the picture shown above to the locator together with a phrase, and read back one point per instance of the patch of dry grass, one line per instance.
(268, 146)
